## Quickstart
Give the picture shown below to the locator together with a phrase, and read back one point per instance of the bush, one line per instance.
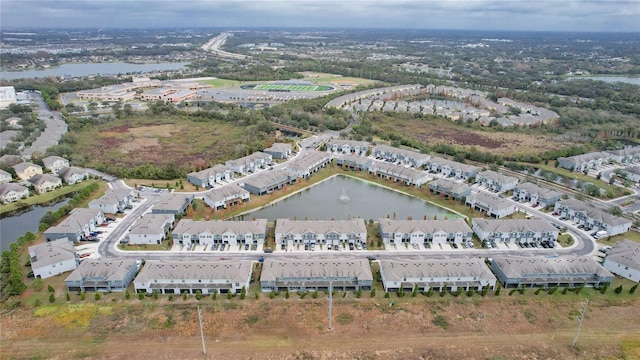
(272, 294)
(198, 295)
(565, 290)
(512, 291)
(51, 289)
(67, 296)
(618, 290)
(127, 295)
(170, 297)
(441, 321)
(257, 296)
(214, 295)
(155, 294)
(140, 296)
(373, 292)
(359, 293)
(229, 295)
(633, 289)
(315, 294)
(386, 295)
(286, 294)
(83, 295)
(185, 296)
(97, 296)
(470, 292)
(497, 293)
(552, 290)
(52, 298)
(604, 289)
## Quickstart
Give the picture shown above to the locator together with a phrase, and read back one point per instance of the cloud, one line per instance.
(549, 15)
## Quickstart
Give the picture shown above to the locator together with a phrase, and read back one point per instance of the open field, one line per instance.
(291, 87)
(221, 83)
(493, 327)
(328, 78)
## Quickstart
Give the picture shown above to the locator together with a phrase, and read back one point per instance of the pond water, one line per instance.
(611, 79)
(343, 197)
(13, 227)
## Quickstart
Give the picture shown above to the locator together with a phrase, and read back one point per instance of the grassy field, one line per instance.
(46, 197)
(325, 78)
(222, 83)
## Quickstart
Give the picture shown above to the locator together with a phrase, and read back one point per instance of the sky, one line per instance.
(520, 15)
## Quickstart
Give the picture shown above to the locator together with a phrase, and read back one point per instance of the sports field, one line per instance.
(285, 87)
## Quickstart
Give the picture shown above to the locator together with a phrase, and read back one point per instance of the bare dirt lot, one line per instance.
(504, 327)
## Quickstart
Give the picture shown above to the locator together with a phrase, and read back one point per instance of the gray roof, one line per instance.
(497, 177)
(532, 188)
(278, 147)
(2, 172)
(531, 267)
(309, 160)
(286, 226)
(453, 164)
(77, 218)
(399, 270)
(40, 179)
(172, 202)
(450, 185)
(109, 270)
(358, 160)
(233, 271)
(632, 169)
(51, 252)
(514, 225)
(249, 158)
(67, 172)
(8, 187)
(625, 252)
(25, 165)
(493, 201)
(593, 213)
(578, 159)
(10, 160)
(352, 143)
(398, 170)
(112, 196)
(225, 192)
(212, 171)
(150, 223)
(406, 153)
(268, 178)
(189, 226)
(628, 151)
(424, 226)
(273, 270)
(49, 160)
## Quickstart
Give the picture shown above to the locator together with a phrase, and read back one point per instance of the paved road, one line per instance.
(584, 244)
(54, 129)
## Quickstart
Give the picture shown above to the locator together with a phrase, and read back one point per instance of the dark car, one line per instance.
(268, 250)
(246, 246)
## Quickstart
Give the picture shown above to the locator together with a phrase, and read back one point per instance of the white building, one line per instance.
(179, 277)
(5, 177)
(496, 182)
(304, 167)
(316, 275)
(330, 232)
(113, 201)
(150, 229)
(208, 177)
(406, 175)
(77, 226)
(7, 96)
(592, 217)
(231, 233)
(53, 258)
(55, 163)
(354, 147)
(491, 205)
(10, 192)
(514, 230)
(431, 232)
(400, 156)
(226, 196)
(250, 163)
(438, 275)
(73, 175)
(624, 260)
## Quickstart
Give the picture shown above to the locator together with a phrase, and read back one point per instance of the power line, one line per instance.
(582, 312)
(204, 348)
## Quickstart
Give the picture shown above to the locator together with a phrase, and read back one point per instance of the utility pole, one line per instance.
(204, 348)
(582, 312)
(330, 301)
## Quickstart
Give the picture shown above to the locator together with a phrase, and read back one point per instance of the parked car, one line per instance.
(246, 246)
(268, 250)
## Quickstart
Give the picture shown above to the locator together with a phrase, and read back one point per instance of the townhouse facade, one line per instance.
(341, 146)
(55, 163)
(427, 232)
(53, 258)
(354, 162)
(316, 275)
(113, 201)
(269, 181)
(73, 175)
(279, 150)
(490, 204)
(25, 170)
(592, 217)
(399, 173)
(102, 275)
(588, 161)
(11, 192)
(320, 232)
(495, 181)
(5, 177)
(450, 189)
(631, 173)
(77, 226)
(435, 275)
(304, 167)
(516, 272)
(226, 196)
(191, 277)
(150, 229)
(250, 163)
(626, 156)
(43, 183)
(536, 195)
(173, 203)
(400, 156)
(232, 233)
(449, 168)
(511, 231)
(623, 259)
(208, 177)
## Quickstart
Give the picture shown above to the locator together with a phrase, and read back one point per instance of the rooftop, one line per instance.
(625, 252)
(51, 252)
(514, 225)
(106, 270)
(233, 271)
(401, 270)
(424, 226)
(273, 270)
(286, 226)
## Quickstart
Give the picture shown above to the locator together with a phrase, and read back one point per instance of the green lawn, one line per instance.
(219, 83)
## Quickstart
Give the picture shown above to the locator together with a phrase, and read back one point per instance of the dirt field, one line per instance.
(444, 131)
(507, 327)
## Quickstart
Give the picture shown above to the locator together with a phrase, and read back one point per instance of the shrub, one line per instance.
(441, 321)
(52, 298)
(565, 290)
(286, 294)
(386, 295)
(604, 288)
(185, 296)
(140, 296)
(214, 295)
(257, 296)
(68, 296)
(315, 294)
(618, 290)
(272, 294)
(521, 290)
(497, 293)
(512, 291)
(429, 292)
(51, 289)
(470, 292)
(155, 294)
(552, 290)
(97, 296)
(633, 289)
(127, 295)
(373, 292)
(170, 297)
(359, 293)
(198, 295)
(83, 295)
(229, 295)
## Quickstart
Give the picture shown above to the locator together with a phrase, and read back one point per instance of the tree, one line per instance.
(618, 290)
(615, 210)
(373, 292)
(127, 295)
(37, 284)
(51, 289)
(97, 296)
(633, 289)
(67, 296)
(52, 298)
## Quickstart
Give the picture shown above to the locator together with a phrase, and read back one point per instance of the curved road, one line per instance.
(584, 245)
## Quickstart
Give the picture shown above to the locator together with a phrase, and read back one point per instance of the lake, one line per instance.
(366, 200)
(86, 69)
(13, 227)
(611, 79)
